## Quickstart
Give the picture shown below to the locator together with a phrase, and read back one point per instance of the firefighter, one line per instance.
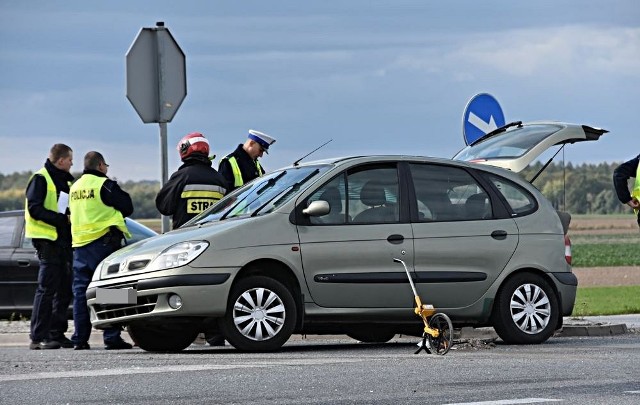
(194, 186)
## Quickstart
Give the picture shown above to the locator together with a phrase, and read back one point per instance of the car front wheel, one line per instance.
(260, 316)
(526, 310)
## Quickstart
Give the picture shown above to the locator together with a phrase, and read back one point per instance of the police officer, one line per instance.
(194, 186)
(98, 208)
(47, 224)
(621, 175)
(242, 166)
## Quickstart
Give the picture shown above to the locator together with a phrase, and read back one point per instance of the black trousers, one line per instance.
(53, 295)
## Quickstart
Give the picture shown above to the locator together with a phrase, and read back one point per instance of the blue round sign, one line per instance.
(482, 115)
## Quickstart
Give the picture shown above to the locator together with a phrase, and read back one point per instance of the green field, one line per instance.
(594, 250)
(607, 301)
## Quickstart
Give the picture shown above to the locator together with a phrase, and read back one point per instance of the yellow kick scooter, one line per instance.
(438, 330)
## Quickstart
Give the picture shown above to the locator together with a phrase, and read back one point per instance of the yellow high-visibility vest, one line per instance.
(90, 217)
(237, 175)
(34, 228)
(636, 187)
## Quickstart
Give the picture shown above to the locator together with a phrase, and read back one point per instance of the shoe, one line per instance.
(65, 342)
(82, 346)
(120, 345)
(44, 345)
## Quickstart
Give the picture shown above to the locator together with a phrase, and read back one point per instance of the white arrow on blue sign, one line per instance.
(482, 115)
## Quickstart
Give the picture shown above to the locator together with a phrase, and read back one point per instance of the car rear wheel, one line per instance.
(260, 316)
(526, 310)
(162, 338)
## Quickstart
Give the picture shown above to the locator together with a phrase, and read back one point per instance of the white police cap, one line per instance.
(263, 139)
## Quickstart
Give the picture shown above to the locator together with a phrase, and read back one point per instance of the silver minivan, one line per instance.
(309, 249)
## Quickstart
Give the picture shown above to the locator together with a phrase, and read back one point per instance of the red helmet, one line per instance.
(192, 143)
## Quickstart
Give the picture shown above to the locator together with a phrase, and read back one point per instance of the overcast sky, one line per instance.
(387, 76)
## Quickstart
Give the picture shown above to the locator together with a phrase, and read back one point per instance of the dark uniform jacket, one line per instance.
(36, 193)
(621, 175)
(195, 170)
(247, 166)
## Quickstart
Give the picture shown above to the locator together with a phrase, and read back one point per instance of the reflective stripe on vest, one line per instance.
(90, 217)
(237, 175)
(200, 196)
(636, 187)
(34, 228)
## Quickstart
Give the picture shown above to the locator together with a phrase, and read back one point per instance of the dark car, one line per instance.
(19, 264)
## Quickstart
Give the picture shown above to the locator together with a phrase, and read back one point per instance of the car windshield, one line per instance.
(510, 144)
(262, 195)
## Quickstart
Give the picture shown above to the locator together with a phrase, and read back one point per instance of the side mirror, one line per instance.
(317, 208)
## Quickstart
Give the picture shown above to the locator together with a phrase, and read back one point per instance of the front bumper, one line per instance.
(203, 295)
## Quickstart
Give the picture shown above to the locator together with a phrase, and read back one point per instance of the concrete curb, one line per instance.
(593, 330)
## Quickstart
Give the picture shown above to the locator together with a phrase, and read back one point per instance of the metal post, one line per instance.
(160, 46)
(163, 165)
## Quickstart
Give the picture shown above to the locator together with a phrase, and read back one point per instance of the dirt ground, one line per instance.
(607, 276)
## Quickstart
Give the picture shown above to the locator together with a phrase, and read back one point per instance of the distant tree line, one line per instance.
(143, 193)
(579, 189)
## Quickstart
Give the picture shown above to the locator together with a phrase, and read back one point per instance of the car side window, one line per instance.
(333, 193)
(447, 193)
(373, 195)
(519, 200)
(8, 226)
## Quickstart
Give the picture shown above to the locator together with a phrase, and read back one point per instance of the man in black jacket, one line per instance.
(47, 224)
(621, 176)
(241, 166)
(194, 186)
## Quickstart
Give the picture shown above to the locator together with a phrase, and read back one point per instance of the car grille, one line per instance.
(144, 305)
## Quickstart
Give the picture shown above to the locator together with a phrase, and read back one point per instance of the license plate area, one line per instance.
(116, 296)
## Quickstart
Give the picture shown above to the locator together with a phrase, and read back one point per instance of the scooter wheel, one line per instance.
(441, 344)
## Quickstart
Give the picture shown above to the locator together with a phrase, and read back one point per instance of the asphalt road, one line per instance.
(574, 370)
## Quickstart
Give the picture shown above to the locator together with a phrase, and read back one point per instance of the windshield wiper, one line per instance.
(292, 188)
(496, 131)
(270, 183)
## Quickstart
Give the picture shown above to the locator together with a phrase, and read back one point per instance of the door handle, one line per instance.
(500, 234)
(395, 239)
(23, 263)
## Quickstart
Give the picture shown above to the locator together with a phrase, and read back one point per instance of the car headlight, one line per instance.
(179, 254)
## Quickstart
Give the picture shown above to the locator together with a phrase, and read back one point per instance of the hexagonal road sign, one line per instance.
(156, 75)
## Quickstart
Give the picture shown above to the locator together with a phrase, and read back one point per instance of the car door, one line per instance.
(347, 255)
(462, 239)
(18, 265)
(25, 267)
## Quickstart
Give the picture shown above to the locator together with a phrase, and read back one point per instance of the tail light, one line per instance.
(567, 249)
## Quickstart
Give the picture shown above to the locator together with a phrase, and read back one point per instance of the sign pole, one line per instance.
(160, 58)
(165, 171)
(156, 84)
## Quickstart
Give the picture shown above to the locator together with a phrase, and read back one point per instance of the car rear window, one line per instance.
(519, 200)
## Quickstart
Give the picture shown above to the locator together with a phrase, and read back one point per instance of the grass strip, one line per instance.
(605, 254)
(591, 301)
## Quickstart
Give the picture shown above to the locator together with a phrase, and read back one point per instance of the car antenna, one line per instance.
(298, 161)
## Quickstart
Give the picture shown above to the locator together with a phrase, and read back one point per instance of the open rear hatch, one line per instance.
(515, 145)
